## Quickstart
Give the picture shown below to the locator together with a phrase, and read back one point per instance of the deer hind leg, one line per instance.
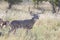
(10, 30)
(14, 31)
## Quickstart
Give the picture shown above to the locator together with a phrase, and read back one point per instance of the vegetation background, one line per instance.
(46, 28)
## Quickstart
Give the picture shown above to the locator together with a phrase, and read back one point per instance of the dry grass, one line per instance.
(46, 28)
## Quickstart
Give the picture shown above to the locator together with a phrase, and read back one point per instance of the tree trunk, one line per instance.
(10, 6)
(37, 4)
(58, 6)
(53, 6)
(34, 5)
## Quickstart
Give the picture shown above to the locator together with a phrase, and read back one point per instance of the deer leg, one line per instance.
(14, 31)
(10, 30)
(27, 30)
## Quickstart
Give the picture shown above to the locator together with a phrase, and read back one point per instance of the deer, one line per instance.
(25, 24)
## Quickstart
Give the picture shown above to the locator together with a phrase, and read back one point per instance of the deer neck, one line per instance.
(33, 20)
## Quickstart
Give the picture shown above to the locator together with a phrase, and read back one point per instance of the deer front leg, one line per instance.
(14, 31)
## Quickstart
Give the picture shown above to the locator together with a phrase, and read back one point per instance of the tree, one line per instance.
(55, 3)
(12, 2)
(58, 4)
(36, 2)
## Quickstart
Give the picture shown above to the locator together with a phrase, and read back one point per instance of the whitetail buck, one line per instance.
(25, 24)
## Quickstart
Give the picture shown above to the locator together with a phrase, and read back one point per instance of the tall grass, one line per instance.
(46, 28)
